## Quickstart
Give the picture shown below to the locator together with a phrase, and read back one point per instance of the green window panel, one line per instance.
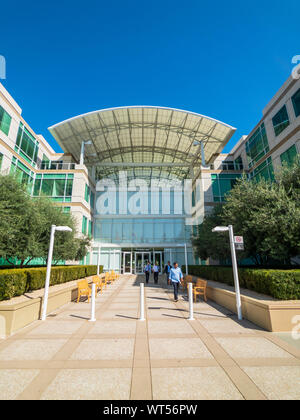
(1, 159)
(87, 193)
(57, 186)
(289, 156)
(263, 171)
(257, 146)
(296, 103)
(26, 145)
(238, 163)
(84, 225)
(92, 202)
(90, 231)
(222, 184)
(23, 174)
(66, 209)
(280, 120)
(5, 120)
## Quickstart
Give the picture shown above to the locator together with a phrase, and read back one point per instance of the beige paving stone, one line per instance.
(32, 349)
(277, 382)
(251, 347)
(223, 326)
(114, 327)
(104, 349)
(56, 327)
(90, 384)
(119, 314)
(178, 348)
(193, 383)
(179, 326)
(123, 305)
(14, 381)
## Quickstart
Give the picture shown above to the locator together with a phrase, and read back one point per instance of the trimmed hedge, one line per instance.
(280, 284)
(16, 282)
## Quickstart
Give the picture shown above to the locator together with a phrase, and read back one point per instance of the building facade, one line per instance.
(139, 179)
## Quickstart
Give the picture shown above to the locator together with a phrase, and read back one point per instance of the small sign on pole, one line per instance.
(239, 243)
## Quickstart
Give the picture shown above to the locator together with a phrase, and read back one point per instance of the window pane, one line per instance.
(296, 103)
(280, 120)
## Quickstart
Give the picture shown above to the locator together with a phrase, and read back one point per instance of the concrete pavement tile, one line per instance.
(104, 349)
(90, 384)
(32, 349)
(14, 381)
(178, 348)
(251, 347)
(277, 382)
(193, 383)
(114, 327)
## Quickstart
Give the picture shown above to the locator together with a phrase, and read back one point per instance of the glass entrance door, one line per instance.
(127, 262)
(158, 259)
(141, 259)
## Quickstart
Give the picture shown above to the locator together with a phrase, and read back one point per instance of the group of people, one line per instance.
(173, 275)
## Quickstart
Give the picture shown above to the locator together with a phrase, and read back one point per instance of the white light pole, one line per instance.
(49, 262)
(234, 266)
(82, 150)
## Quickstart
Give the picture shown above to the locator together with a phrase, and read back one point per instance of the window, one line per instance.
(263, 171)
(90, 231)
(289, 156)
(45, 162)
(84, 224)
(280, 120)
(66, 209)
(92, 200)
(1, 158)
(23, 174)
(26, 145)
(227, 165)
(57, 186)
(87, 193)
(257, 145)
(238, 163)
(222, 184)
(296, 103)
(5, 120)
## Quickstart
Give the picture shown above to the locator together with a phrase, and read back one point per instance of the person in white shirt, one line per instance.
(155, 270)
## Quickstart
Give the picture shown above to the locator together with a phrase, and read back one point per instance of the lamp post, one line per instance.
(49, 262)
(234, 266)
(82, 150)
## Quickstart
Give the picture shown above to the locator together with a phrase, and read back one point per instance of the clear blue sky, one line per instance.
(224, 59)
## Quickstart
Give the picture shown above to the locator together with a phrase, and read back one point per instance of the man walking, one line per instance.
(155, 272)
(147, 271)
(175, 277)
(167, 271)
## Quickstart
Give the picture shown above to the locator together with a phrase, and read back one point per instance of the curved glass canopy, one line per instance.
(147, 141)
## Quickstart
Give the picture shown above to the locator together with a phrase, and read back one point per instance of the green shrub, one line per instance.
(15, 282)
(280, 284)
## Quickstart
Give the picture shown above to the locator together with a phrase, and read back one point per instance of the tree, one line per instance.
(25, 225)
(266, 214)
(209, 244)
(17, 221)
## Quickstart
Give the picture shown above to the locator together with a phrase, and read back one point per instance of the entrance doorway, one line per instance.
(157, 258)
(127, 262)
(141, 259)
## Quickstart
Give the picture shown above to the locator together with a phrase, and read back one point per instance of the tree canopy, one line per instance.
(25, 225)
(266, 214)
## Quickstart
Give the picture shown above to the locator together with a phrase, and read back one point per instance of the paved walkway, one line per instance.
(166, 357)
